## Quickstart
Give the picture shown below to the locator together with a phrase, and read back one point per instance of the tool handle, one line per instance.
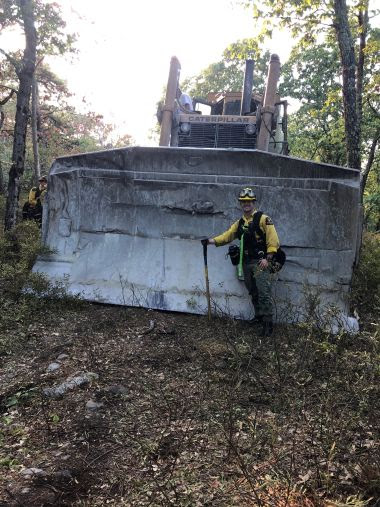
(207, 282)
(205, 254)
(208, 294)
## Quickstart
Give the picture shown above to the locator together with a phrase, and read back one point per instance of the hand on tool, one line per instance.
(207, 241)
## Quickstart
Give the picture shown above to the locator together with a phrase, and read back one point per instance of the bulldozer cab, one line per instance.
(229, 119)
(229, 103)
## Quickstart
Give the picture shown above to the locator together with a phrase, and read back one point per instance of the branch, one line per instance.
(4, 101)
(374, 110)
(56, 122)
(39, 61)
(8, 88)
(11, 60)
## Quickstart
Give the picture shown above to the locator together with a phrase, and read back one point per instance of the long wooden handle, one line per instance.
(207, 282)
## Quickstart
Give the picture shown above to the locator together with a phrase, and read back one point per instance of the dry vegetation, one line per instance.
(183, 412)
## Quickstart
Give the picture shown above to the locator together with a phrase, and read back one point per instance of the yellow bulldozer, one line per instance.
(125, 224)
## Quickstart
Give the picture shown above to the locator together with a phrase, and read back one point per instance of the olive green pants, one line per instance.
(259, 285)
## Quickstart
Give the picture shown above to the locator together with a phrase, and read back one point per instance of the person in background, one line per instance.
(32, 209)
(259, 243)
(185, 103)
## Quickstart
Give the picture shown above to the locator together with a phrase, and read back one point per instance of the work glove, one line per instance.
(204, 241)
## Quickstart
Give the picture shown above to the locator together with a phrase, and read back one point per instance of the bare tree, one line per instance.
(25, 71)
(36, 155)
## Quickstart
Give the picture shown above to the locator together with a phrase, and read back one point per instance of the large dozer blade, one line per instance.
(125, 226)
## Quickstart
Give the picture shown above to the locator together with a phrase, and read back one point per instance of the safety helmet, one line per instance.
(247, 194)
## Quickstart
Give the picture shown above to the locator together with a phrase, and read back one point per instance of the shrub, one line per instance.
(24, 295)
(365, 294)
(18, 251)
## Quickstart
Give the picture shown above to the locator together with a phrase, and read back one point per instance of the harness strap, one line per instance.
(255, 225)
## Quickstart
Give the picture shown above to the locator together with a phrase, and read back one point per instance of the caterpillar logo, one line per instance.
(199, 118)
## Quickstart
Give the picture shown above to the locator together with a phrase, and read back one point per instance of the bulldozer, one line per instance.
(124, 224)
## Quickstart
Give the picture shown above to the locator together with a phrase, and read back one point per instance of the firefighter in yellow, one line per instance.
(258, 244)
(33, 208)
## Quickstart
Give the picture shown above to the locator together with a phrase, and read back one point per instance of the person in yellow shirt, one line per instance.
(258, 243)
(32, 209)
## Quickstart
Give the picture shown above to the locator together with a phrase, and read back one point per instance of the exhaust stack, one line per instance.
(247, 87)
(268, 108)
(168, 109)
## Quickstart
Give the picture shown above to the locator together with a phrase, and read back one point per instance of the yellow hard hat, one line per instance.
(247, 194)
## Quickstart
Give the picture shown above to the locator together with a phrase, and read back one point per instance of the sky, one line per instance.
(125, 48)
(126, 45)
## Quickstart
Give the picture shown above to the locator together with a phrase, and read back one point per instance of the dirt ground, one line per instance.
(175, 410)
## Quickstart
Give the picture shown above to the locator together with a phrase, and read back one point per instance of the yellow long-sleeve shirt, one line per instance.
(265, 224)
(36, 194)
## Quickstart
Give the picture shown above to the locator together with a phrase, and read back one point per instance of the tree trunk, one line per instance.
(2, 118)
(2, 186)
(363, 29)
(25, 75)
(36, 155)
(347, 53)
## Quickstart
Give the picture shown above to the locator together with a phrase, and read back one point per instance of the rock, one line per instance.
(92, 376)
(63, 476)
(28, 473)
(116, 390)
(93, 405)
(62, 357)
(82, 378)
(113, 390)
(53, 366)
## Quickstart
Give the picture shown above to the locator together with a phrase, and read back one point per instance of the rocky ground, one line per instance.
(107, 405)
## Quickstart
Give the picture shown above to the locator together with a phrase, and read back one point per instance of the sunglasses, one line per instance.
(247, 192)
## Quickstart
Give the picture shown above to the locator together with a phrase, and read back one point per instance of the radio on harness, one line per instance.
(234, 254)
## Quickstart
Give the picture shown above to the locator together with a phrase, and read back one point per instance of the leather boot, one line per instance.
(267, 328)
